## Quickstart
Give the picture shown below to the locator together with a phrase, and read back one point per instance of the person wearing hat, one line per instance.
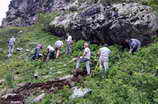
(11, 43)
(37, 52)
(58, 45)
(104, 53)
(50, 53)
(85, 58)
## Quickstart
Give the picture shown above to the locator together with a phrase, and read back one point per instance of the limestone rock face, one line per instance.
(24, 12)
(97, 23)
(107, 23)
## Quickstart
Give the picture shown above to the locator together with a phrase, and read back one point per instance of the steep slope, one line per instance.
(130, 79)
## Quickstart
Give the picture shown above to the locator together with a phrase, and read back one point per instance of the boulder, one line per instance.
(108, 23)
(39, 98)
(24, 12)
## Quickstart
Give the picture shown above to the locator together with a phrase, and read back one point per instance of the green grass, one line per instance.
(131, 79)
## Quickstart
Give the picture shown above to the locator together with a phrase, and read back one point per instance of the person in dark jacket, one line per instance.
(37, 52)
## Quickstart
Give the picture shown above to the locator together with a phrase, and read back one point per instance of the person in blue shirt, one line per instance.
(37, 54)
(134, 45)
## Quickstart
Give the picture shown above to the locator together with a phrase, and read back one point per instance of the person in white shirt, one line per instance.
(69, 42)
(11, 43)
(50, 52)
(85, 58)
(58, 45)
(104, 53)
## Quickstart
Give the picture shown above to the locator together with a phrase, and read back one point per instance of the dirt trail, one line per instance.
(19, 95)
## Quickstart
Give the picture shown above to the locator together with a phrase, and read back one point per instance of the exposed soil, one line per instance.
(19, 95)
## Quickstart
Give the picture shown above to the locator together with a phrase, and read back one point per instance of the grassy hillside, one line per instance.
(131, 79)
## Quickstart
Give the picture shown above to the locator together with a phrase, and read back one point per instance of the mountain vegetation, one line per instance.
(131, 79)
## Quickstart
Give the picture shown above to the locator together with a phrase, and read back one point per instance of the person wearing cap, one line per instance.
(50, 52)
(37, 52)
(58, 45)
(134, 45)
(85, 58)
(11, 43)
(104, 53)
(69, 42)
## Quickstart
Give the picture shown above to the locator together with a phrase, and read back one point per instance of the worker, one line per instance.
(11, 43)
(134, 45)
(58, 45)
(50, 53)
(69, 42)
(85, 58)
(115, 13)
(104, 53)
(37, 54)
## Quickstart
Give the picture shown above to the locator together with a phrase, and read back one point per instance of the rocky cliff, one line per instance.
(24, 12)
(108, 23)
(97, 22)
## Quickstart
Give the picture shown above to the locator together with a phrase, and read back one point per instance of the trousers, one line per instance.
(85, 60)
